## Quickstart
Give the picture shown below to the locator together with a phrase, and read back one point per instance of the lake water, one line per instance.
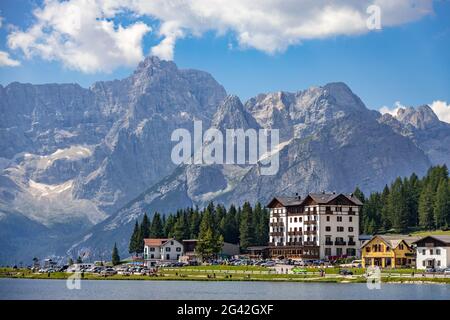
(212, 290)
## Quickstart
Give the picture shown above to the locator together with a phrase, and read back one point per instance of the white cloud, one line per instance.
(6, 61)
(81, 34)
(267, 25)
(392, 110)
(442, 110)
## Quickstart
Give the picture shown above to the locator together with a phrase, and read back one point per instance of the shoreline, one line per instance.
(292, 279)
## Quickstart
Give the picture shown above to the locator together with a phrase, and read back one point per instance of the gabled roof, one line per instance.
(155, 242)
(441, 238)
(324, 198)
(319, 198)
(287, 201)
(393, 240)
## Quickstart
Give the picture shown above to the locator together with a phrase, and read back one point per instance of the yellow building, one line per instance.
(389, 251)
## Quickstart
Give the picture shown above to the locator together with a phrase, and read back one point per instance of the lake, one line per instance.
(212, 290)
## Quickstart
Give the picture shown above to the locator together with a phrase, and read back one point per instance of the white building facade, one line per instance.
(433, 252)
(319, 226)
(161, 251)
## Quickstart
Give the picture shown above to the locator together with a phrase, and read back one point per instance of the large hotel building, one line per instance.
(318, 226)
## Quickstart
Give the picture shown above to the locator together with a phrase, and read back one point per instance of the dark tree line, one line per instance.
(408, 204)
(212, 226)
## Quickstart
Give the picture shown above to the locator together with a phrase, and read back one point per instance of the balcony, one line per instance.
(310, 243)
(310, 232)
(294, 233)
(351, 243)
(276, 234)
(276, 224)
(340, 243)
(294, 243)
(310, 222)
(351, 212)
(328, 243)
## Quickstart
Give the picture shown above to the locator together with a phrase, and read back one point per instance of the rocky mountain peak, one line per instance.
(421, 117)
(232, 114)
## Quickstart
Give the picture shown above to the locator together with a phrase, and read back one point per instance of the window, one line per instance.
(339, 219)
(339, 251)
(439, 263)
(295, 219)
(367, 249)
(328, 228)
(328, 218)
(424, 251)
(167, 256)
(328, 251)
(350, 219)
(171, 243)
(400, 246)
(167, 249)
(431, 251)
(178, 249)
(300, 219)
(438, 252)
(423, 263)
(152, 256)
(340, 229)
(152, 249)
(350, 229)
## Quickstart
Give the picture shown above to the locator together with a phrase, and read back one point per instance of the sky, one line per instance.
(390, 53)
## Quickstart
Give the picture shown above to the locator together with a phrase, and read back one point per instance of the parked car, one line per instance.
(269, 264)
(108, 272)
(430, 270)
(447, 271)
(345, 272)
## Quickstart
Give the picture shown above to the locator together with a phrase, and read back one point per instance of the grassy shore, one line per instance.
(228, 273)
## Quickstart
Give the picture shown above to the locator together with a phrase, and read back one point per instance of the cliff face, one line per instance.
(82, 164)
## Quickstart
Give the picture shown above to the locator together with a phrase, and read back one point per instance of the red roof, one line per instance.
(153, 242)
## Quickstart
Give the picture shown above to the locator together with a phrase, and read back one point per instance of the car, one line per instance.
(345, 272)
(447, 271)
(430, 270)
(269, 264)
(108, 272)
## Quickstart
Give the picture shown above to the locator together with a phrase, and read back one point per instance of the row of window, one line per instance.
(339, 229)
(432, 252)
(313, 218)
(153, 249)
(351, 252)
(310, 209)
(327, 228)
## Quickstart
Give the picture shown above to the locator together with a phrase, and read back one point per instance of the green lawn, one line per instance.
(225, 267)
(430, 233)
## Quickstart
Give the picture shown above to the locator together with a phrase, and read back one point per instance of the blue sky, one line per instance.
(409, 62)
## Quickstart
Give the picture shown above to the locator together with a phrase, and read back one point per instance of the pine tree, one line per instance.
(194, 224)
(426, 212)
(442, 205)
(134, 240)
(181, 228)
(115, 258)
(210, 241)
(229, 227)
(386, 221)
(169, 226)
(156, 227)
(246, 228)
(144, 233)
(397, 206)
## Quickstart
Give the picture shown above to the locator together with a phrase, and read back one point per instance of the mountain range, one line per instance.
(79, 165)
